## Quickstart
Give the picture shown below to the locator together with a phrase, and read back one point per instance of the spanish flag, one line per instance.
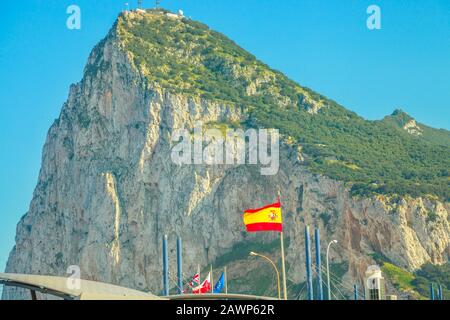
(267, 218)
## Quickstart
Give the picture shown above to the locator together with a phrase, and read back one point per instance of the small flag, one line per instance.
(220, 284)
(267, 218)
(195, 280)
(204, 287)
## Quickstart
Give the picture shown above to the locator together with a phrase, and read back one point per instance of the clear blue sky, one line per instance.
(323, 44)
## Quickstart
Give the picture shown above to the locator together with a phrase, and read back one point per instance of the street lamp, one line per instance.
(274, 266)
(328, 268)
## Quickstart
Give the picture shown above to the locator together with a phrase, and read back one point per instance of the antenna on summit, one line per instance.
(157, 4)
(139, 4)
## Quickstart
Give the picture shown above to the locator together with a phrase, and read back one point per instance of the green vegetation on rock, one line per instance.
(402, 279)
(371, 157)
(417, 284)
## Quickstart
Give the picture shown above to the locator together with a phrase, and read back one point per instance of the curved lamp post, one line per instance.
(328, 268)
(274, 266)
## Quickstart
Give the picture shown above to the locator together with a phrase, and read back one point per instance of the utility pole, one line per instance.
(165, 267)
(180, 265)
(318, 264)
(432, 291)
(440, 295)
(308, 265)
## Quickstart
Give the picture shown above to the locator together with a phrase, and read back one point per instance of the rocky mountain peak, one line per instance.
(399, 113)
(108, 191)
(186, 56)
(406, 122)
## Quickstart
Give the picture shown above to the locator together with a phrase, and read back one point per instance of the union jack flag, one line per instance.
(195, 281)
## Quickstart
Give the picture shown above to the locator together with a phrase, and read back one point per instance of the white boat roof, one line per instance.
(87, 290)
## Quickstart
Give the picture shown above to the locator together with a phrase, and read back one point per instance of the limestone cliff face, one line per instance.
(108, 192)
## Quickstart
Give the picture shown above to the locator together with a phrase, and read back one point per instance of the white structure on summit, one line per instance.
(174, 15)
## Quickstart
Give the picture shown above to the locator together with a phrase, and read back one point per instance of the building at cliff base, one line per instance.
(375, 284)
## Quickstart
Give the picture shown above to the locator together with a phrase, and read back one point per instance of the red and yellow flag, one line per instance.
(267, 218)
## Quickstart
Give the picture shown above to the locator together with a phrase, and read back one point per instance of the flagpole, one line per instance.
(199, 278)
(283, 267)
(211, 281)
(226, 279)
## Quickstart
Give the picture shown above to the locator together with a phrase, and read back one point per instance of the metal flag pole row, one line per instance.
(439, 296)
(179, 282)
